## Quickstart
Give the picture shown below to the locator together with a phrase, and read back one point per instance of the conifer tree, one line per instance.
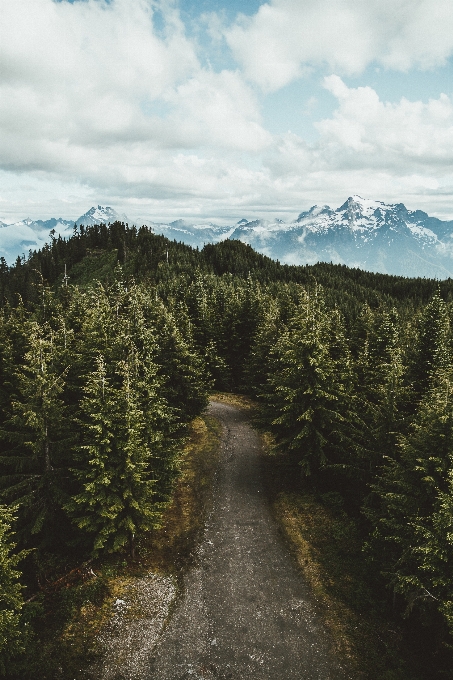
(126, 454)
(432, 345)
(258, 365)
(14, 336)
(36, 439)
(380, 387)
(11, 600)
(114, 470)
(168, 336)
(310, 386)
(412, 540)
(207, 300)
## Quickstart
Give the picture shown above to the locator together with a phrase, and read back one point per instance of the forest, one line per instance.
(110, 344)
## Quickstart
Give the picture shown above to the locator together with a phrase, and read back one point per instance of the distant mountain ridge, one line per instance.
(370, 235)
(21, 237)
(362, 233)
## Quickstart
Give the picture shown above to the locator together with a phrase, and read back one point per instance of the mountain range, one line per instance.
(362, 233)
(369, 235)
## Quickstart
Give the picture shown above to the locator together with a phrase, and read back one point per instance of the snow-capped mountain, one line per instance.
(101, 215)
(20, 237)
(360, 233)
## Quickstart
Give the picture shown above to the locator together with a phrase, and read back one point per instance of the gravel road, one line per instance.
(245, 612)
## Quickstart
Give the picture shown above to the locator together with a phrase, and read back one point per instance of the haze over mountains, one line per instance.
(361, 233)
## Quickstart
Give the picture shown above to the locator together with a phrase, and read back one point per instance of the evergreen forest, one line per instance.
(110, 344)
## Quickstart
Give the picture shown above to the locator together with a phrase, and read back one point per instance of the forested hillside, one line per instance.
(110, 344)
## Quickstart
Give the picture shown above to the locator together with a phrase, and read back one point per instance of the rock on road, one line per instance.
(245, 612)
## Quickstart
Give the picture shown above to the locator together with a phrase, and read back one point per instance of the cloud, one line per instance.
(366, 131)
(99, 103)
(390, 151)
(287, 36)
(407, 143)
(82, 84)
(220, 110)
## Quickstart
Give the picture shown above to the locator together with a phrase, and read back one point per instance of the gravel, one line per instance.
(131, 635)
(246, 612)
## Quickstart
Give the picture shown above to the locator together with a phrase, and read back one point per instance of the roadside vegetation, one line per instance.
(104, 368)
(66, 619)
(368, 633)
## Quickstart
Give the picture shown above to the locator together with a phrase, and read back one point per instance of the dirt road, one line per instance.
(245, 613)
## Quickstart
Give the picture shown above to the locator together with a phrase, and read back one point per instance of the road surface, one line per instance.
(245, 612)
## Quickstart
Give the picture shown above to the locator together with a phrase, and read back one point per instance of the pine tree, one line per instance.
(168, 337)
(36, 439)
(432, 345)
(14, 336)
(258, 366)
(116, 496)
(310, 386)
(380, 386)
(11, 600)
(412, 540)
(126, 457)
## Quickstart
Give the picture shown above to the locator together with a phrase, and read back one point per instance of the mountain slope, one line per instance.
(366, 234)
(195, 235)
(20, 237)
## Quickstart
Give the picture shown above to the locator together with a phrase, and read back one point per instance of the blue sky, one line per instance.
(214, 110)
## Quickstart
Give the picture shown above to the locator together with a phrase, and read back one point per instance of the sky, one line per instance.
(216, 110)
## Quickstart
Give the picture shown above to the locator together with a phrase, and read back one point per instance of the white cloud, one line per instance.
(221, 112)
(287, 36)
(82, 84)
(393, 152)
(97, 106)
(367, 132)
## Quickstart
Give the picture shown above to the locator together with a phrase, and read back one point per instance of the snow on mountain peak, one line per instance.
(314, 212)
(101, 215)
(364, 233)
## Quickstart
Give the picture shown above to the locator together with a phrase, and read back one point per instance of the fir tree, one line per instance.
(432, 345)
(258, 366)
(36, 436)
(11, 601)
(310, 386)
(114, 464)
(380, 388)
(412, 539)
